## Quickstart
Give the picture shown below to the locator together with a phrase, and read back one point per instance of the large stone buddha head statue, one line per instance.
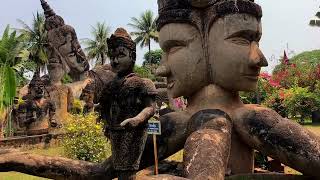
(210, 42)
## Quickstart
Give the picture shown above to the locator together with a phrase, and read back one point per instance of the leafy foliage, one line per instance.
(85, 139)
(10, 48)
(144, 72)
(66, 79)
(77, 107)
(153, 57)
(146, 29)
(97, 47)
(35, 39)
(301, 101)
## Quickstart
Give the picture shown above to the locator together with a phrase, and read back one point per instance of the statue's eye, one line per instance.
(240, 41)
(173, 46)
(175, 49)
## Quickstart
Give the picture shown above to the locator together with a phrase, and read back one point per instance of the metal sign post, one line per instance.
(154, 128)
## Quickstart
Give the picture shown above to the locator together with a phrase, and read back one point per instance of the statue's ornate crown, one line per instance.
(36, 80)
(47, 9)
(121, 38)
(171, 11)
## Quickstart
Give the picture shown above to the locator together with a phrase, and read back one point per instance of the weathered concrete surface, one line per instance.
(282, 139)
(162, 177)
(207, 150)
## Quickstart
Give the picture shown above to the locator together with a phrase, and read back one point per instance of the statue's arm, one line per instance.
(149, 94)
(280, 138)
(144, 115)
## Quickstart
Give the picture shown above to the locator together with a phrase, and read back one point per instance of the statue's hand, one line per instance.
(132, 121)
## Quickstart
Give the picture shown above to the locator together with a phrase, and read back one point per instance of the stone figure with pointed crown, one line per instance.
(127, 103)
(63, 45)
(35, 114)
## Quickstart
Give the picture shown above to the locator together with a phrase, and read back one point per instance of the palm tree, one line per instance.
(97, 47)
(10, 48)
(316, 20)
(146, 29)
(36, 39)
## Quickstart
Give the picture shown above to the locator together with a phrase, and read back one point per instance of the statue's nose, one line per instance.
(163, 71)
(257, 58)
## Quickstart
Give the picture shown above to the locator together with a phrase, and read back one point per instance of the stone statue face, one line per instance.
(55, 72)
(120, 60)
(183, 62)
(234, 53)
(37, 91)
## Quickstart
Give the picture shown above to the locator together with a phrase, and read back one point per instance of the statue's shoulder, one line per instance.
(133, 80)
(102, 73)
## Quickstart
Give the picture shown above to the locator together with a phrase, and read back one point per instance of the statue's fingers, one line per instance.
(125, 122)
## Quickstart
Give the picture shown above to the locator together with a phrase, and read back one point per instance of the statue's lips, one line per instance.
(254, 76)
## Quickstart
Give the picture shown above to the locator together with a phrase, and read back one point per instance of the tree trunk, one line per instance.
(103, 58)
(149, 56)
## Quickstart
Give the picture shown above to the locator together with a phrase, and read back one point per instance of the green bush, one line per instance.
(275, 102)
(300, 101)
(85, 139)
(77, 107)
(144, 72)
(154, 57)
(66, 79)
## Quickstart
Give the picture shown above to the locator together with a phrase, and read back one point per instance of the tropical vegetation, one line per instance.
(85, 139)
(97, 47)
(145, 29)
(292, 89)
(10, 61)
(35, 40)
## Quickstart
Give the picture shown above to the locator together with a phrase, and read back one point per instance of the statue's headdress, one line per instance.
(52, 19)
(36, 80)
(47, 9)
(201, 13)
(121, 38)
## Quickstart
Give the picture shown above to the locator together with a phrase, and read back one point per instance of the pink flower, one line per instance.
(274, 83)
(265, 75)
(178, 102)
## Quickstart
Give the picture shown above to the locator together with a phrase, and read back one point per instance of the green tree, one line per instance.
(153, 57)
(10, 49)
(145, 29)
(35, 38)
(97, 47)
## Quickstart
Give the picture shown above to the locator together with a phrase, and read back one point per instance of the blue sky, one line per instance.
(285, 22)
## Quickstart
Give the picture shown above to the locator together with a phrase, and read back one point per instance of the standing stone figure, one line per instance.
(126, 104)
(211, 52)
(63, 45)
(31, 114)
